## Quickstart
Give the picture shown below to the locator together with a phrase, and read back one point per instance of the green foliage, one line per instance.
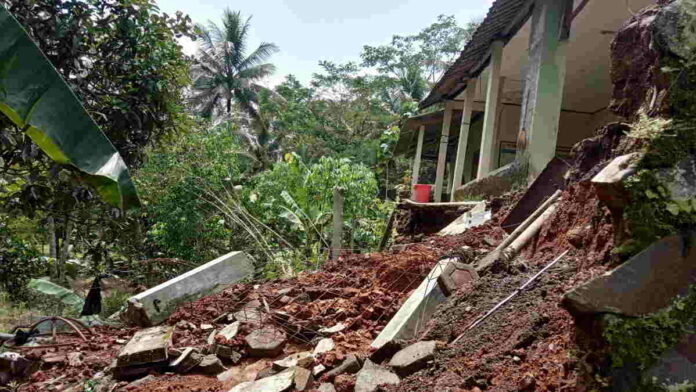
(172, 183)
(113, 301)
(56, 121)
(652, 213)
(18, 264)
(65, 296)
(296, 200)
(641, 341)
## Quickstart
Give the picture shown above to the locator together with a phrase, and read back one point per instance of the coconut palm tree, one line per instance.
(224, 73)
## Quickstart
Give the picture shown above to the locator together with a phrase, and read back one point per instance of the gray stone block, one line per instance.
(413, 358)
(265, 342)
(147, 346)
(372, 376)
(646, 283)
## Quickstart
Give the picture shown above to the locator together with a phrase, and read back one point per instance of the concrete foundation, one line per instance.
(156, 304)
(417, 310)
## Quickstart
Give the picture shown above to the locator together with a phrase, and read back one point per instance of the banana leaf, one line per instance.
(65, 296)
(36, 99)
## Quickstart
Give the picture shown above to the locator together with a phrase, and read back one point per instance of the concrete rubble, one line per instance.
(372, 376)
(148, 349)
(155, 304)
(413, 358)
(265, 342)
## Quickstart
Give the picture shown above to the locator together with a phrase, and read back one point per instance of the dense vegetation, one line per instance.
(221, 160)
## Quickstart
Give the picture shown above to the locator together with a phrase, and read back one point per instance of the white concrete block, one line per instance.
(417, 310)
(156, 304)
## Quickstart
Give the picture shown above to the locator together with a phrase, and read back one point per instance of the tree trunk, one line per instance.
(51, 237)
(229, 105)
(64, 248)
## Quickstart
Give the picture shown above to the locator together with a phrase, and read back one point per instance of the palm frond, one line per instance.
(259, 56)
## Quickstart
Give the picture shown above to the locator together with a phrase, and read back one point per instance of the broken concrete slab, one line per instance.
(551, 179)
(472, 218)
(417, 310)
(278, 383)
(324, 345)
(303, 379)
(210, 365)
(372, 376)
(303, 359)
(413, 358)
(188, 360)
(455, 276)
(494, 184)
(229, 332)
(349, 365)
(156, 304)
(265, 342)
(646, 283)
(609, 183)
(147, 346)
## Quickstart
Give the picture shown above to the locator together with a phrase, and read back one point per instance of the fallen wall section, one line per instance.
(156, 304)
(416, 311)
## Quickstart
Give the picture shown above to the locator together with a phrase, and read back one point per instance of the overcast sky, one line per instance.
(311, 30)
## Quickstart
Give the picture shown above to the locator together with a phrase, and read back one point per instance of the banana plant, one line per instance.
(38, 101)
(66, 296)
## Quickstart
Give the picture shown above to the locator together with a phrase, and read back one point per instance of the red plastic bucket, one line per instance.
(421, 193)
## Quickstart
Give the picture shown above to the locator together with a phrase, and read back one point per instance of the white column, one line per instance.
(417, 158)
(493, 97)
(543, 95)
(442, 153)
(464, 127)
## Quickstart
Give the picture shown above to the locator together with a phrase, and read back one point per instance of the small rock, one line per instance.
(230, 331)
(332, 330)
(278, 383)
(265, 342)
(303, 379)
(120, 341)
(206, 327)
(324, 345)
(284, 291)
(516, 359)
(211, 365)
(528, 383)
(326, 387)
(387, 350)
(371, 376)
(302, 359)
(350, 365)
(285, 300)
(211, 337)
(317, 370)
(226, 352)
(413, 358)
